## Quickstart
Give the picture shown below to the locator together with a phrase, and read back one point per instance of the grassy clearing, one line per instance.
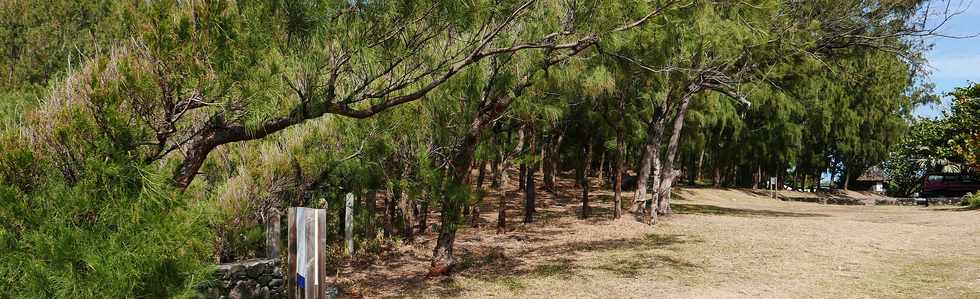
(721, 244)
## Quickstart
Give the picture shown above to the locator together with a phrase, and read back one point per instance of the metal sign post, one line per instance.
(772, 186)
(306, 277)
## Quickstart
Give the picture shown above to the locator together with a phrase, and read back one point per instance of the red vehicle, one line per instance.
(949, 184)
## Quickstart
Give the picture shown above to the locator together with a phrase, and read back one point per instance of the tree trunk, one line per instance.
(620, 164)
(653, 205)
(522, 177)
(847, 179)
(423, 215)
(668, 173)
(529, 189)
(651, 161)
(542, 164)
(657, 200)
(370, 202)
(548, 179)
(475, 215)
(697, 174)
(640, 196)
(341, 214)
(584, 177)
(452, 203)
(481, 175)
(442, 256)
(717, 177)
(553, 159)
(390, 209)
(502, 212)
(495, 174)
(408, 219)
(508, 162)
(602, 167)
(833, 176)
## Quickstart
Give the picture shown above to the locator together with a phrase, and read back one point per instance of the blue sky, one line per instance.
(954, 62)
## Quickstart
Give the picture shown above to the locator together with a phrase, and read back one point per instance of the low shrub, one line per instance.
(971, 200)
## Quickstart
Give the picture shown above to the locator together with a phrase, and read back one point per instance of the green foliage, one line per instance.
(922, 149)
(971, 200)
(948, 144)
(964, 125)
(112, 229)
(101, 100)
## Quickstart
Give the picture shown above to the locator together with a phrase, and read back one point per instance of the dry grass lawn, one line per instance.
(720, 244)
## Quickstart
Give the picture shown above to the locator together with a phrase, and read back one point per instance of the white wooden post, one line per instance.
(272, 234)
(349, 223)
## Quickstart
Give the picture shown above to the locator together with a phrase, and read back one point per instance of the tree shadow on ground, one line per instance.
(511, 270)
(955, 209)
(545, 251)
(716, 210)
(636, 264)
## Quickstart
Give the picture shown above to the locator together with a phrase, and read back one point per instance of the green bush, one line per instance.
(971, 200)
(106, 236)
(82, 217)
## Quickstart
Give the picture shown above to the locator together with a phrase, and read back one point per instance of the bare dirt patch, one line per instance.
(720, 244)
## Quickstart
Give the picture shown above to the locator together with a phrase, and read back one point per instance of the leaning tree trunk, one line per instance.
(651, 155)
(490, 109)
(640, 195)
(667, 172)
(442, 256)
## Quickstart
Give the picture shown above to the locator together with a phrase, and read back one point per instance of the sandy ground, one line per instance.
(720, 244)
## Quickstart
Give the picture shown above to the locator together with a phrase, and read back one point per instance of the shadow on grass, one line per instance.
(514, 270)
(716, 210)
(956, 209)
(633, 266)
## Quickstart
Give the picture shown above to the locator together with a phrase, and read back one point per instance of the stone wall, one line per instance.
(261, 278)
(908, 201)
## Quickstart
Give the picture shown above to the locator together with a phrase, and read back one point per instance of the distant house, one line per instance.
(873, 179)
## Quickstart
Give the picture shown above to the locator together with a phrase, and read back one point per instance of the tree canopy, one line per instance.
(144, 141)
